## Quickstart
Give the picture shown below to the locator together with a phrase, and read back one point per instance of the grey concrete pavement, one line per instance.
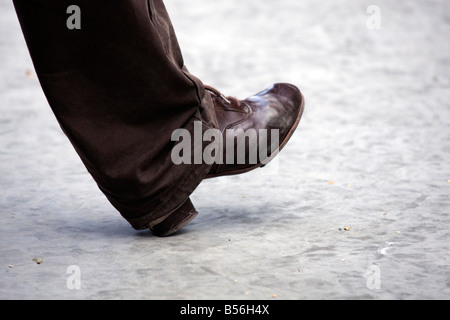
(355, 207)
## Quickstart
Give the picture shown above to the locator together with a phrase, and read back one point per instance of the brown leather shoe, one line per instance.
(271, 115)
(278, 108)
(175, 220)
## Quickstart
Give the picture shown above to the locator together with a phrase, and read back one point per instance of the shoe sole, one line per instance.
(283, 143)
(179, 218)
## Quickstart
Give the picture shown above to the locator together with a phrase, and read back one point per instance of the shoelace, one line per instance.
(228, 100)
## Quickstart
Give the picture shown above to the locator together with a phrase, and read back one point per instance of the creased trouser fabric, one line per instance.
(119, 88)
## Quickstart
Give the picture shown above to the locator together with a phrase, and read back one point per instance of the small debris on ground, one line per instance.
(29, 74)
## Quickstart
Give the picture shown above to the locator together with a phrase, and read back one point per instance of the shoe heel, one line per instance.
(176, 220)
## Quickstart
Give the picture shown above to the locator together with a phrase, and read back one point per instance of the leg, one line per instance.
(119, 88)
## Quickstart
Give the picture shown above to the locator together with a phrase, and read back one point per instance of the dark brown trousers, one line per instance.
(119, 88)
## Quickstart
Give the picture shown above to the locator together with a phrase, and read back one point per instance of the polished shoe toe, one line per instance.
(273, 114)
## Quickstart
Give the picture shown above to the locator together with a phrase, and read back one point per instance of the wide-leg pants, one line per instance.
(116, 82)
